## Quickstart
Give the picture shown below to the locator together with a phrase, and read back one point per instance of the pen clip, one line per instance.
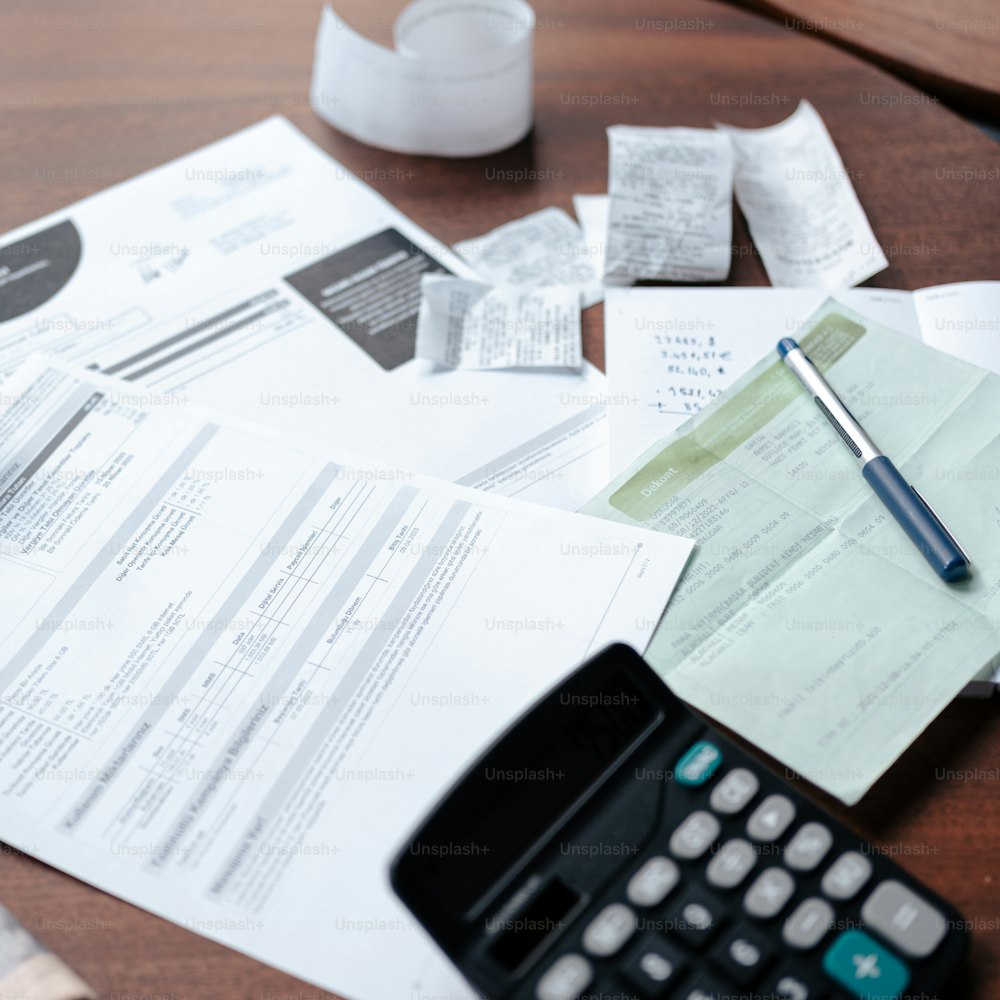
(933, 513)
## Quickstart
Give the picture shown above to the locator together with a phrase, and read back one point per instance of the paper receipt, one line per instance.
(469, 324)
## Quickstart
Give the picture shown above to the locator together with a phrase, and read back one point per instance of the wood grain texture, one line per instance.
(951, 50)
(93, 95)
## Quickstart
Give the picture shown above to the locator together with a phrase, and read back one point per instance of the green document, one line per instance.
(807, 621)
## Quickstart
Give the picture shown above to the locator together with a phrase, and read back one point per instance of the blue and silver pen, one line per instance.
(907, 506)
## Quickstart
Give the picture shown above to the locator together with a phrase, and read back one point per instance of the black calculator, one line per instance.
(611, 846)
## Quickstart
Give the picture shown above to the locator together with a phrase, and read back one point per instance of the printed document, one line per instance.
(260, 276)
(238, 668)
(807, 621)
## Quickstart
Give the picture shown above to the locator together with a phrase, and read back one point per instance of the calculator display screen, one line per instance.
(539, 779)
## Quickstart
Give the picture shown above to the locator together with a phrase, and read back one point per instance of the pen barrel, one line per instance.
(923, 528)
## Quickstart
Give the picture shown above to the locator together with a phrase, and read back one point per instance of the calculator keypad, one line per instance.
(694, 836)
(711, 944)
(735, 860)
(696, 918)
(771, 819)
(743, 954)
(653, 882)
(906, 920)
(609, 930)
(768, 893)
(734, 792)
(656, 966)
(845, 878)
(808, 923)
(808, 847)
(565, 979)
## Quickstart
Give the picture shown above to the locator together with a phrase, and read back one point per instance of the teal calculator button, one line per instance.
(698, 764)
(867, 969)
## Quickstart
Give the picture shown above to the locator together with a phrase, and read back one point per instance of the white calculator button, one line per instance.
(769, 892)
(732, 864)
(845, 877)
(695, 835)
(808, 847)
(653, 882)
(609, 930)
(566, 979)
(771, 818)
(901, 916)
(808, 923)
(735, 790)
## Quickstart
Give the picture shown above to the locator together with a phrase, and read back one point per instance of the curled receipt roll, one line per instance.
(29, 971)
(459, 82)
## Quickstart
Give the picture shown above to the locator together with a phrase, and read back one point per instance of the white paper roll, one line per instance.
(459, 82)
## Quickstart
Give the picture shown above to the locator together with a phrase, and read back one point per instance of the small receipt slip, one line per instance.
(469, 324)
(671, 215)
(800, 204)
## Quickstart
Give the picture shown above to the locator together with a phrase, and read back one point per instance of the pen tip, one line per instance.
(785, 345)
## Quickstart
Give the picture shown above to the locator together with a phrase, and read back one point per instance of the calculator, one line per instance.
(611, 846)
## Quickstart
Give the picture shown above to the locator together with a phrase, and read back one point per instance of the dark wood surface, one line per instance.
(951, 50)
(94, 94)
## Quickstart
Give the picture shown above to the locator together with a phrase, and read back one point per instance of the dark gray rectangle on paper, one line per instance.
(371, 291)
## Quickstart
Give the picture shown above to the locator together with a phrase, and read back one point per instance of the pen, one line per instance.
(915, 516)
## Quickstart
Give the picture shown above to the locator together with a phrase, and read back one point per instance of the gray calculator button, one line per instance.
(732, 864)
(909, 922)
(808, 847)
(735, 790)
(609, 930)
(808, 923)
(845, 877)
(695, 835)
(771, 818)
(653, 882)
(769, 892)
(566, 979)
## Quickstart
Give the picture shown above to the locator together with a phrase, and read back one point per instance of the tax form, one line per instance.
(807, 621)
(259, 276)
(237, 667)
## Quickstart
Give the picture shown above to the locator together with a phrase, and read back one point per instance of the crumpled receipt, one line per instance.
(671, 209)
(544, 248)
(471, 324)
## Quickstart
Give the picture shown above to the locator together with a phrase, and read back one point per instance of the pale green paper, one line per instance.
(807, 621)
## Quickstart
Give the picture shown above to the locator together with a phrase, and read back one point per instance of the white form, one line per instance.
(260, 276)
(800, 204)
(544, 248)
(962, 319)
(469, 324)
(238, 668)
(671, 204)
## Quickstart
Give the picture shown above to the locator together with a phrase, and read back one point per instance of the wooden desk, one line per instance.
(91, 96)
(949, 49)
